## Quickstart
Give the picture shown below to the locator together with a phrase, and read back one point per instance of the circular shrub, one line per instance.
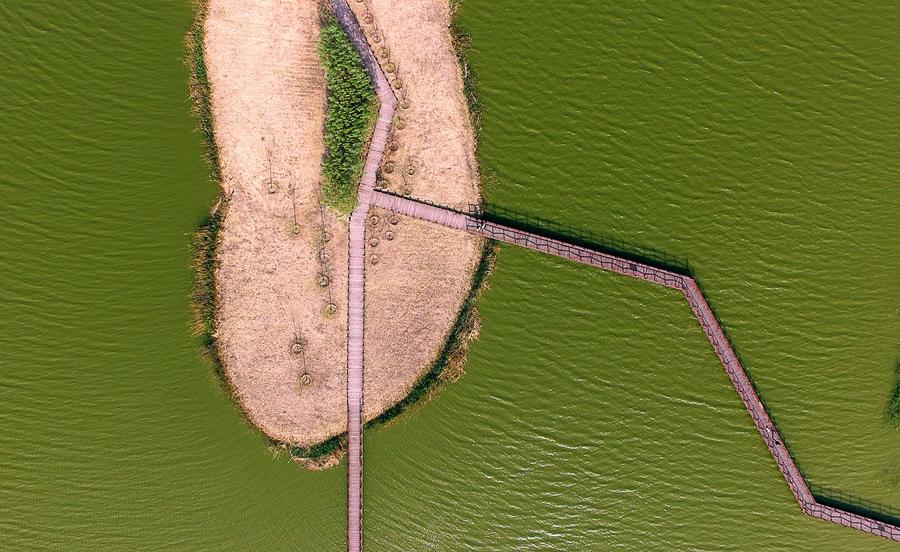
(389, 235)
(389, 167)
(373, 242)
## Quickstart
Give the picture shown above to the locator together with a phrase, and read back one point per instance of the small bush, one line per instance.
(352, 112)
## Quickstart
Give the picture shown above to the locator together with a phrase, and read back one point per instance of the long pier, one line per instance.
(368, 196)
(688, 286)
(356, 273)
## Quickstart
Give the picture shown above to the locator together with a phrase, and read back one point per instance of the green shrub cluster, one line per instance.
(320, 450)
(893, 412)
(352, 112)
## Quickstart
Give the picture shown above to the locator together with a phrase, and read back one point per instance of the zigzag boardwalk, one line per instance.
(454, 219)
(702, 311)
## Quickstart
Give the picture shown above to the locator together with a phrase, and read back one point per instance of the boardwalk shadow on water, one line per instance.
(581, 237)
(621, 248)
(854, 504)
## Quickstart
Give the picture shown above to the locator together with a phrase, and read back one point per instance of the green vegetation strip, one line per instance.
(200, 91)
(893, 412)
(352, 112)
(462, 42)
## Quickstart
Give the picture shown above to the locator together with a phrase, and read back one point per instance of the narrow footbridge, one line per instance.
(688, 286)
(369, 196)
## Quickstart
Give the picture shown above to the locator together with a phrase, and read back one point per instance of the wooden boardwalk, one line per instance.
(356, 274)
(702, 311)
(369, 196)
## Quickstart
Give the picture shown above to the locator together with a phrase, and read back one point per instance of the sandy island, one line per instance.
(282, 288)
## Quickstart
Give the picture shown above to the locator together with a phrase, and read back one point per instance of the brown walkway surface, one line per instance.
(711, 327)
(356, 273)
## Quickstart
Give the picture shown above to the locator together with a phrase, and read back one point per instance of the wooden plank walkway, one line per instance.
(356, 274)
(702, 311)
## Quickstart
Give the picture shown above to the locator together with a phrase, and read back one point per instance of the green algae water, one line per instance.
(759, 142)
(114, 434)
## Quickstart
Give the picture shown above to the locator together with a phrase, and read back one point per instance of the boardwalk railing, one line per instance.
(580, 236)
(819, 506)
(854, 504)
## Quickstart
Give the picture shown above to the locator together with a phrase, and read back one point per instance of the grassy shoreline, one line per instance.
(448, 366)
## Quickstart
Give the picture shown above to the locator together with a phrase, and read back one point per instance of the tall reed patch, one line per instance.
(462, 43)
(352, 112)
(200, 90)
(448, 366)
(205, 238)
(203, 294)
(205, 241)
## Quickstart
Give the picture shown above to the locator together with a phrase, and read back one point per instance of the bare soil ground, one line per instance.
(422, 275)
(268, 97)
(269, 108)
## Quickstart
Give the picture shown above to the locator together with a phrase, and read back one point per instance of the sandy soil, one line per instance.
(269, 106)
(414, 291)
